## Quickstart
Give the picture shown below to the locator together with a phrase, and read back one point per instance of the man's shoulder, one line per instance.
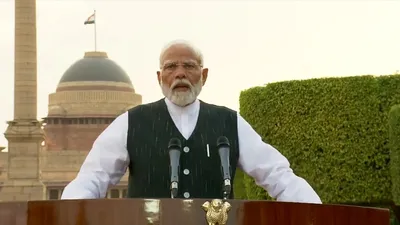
(144, 107)
(218, 108)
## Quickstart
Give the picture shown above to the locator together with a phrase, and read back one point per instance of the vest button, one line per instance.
(186, 149)
(186, 195)
(186, 171)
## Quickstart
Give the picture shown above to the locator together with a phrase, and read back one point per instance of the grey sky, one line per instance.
(245, 43)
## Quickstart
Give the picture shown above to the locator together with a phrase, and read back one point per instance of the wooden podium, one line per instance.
(185, 212)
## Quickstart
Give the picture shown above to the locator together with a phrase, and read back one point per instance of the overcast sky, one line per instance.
(245, 43)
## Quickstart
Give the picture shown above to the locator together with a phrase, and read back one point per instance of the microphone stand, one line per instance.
(174, 148)
(226, 190)
(225, 196)
(223, 146)
(174, 189)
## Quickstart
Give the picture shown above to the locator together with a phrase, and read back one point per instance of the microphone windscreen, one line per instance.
(174, 143)
(222, 141)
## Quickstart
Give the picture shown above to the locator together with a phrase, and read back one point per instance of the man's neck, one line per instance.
(192, 107)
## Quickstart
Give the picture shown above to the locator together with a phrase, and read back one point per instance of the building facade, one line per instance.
(90, 95)
(43, 156)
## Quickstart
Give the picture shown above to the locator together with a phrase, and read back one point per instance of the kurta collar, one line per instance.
(189, 109)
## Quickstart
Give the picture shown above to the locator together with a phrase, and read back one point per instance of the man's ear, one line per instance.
(204, 75)
(159, 77)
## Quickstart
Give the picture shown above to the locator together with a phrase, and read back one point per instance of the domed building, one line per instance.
(42, 157)
(90, 95)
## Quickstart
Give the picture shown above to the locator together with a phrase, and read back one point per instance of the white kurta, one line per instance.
(108, 160)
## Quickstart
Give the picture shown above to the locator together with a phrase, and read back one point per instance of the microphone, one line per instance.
(174, 148)
(223, 147)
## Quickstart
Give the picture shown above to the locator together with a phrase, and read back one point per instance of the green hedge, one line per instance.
(334, 132)
(238, 185)
(394, 140)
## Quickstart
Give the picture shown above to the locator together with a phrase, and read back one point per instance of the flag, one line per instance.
(90, 20)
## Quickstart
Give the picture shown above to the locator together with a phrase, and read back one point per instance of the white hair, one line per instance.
(184, 43)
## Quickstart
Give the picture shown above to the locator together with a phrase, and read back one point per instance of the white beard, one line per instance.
(181, 98)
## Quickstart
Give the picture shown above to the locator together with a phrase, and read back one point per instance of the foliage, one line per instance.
(238, 185)
(333, 131)
(394, 140)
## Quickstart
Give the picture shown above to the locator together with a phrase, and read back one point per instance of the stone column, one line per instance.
(24, 133)
(25, 79)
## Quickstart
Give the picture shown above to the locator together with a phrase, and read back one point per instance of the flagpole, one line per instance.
(95, 32)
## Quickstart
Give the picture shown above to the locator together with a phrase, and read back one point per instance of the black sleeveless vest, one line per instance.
(150, 129)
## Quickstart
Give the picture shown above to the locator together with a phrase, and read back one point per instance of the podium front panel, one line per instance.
(13, 213)
(186, 212)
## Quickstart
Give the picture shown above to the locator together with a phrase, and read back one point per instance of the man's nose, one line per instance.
(180, 73)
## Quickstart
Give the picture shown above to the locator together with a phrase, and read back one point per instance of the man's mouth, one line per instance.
(181, 87)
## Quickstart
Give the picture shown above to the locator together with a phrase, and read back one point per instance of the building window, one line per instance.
(54, 193)
(116, 193)
(124, 193)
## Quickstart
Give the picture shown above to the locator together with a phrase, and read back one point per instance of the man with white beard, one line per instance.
(138, 140)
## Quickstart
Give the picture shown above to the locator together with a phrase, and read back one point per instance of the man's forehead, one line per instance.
(167, 61)
(182, 53)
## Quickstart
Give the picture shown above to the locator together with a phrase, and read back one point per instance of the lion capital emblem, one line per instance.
(216, 212)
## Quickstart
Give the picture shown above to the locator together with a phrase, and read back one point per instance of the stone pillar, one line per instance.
(24, 133)
(24, 143)
(25, 79)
